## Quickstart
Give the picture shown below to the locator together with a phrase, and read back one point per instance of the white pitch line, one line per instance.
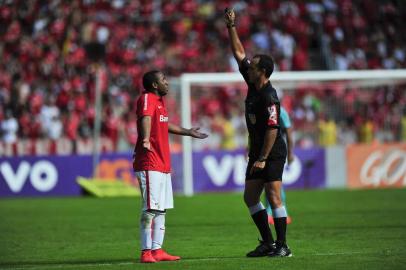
(74, 265)
(67, 265)
(340, 253)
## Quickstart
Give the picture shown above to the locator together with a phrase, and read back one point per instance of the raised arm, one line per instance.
(236, 45)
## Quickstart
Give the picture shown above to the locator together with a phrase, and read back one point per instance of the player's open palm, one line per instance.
(195, 133)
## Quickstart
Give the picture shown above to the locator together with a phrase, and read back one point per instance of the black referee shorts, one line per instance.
(272, 172)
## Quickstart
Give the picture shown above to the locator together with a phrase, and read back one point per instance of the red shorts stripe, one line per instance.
(147, 187)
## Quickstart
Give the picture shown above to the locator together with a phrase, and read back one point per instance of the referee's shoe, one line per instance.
(262, 250)
(281, 250)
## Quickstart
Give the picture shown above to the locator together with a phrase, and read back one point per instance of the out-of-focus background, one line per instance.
(70, 75)
(52, 51)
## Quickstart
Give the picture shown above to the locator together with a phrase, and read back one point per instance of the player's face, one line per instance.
(254, 72)
(163, 85)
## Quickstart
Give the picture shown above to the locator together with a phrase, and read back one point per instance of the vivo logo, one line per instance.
(221, 170)
(42, 175)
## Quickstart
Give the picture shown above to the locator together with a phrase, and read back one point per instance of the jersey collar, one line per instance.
(268, 84)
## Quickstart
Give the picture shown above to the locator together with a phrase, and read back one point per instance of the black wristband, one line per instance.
(262, 159)
(230, 25)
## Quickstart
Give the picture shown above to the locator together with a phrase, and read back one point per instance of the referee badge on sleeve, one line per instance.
(252, 118)
(273, 115)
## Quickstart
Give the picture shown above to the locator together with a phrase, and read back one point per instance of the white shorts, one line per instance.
(156, 190)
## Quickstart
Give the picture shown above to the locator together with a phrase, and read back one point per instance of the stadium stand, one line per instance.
(47, 76)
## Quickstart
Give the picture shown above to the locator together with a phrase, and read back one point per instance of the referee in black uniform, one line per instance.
(267, 149)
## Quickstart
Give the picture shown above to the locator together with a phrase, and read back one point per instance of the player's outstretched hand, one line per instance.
(229, 16)
(194, 132)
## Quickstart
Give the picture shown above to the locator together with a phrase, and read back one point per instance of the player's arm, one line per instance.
(193, 132)
(236, 45)
(289, 140)
(146, 131)
(269, 140)
(273, 124)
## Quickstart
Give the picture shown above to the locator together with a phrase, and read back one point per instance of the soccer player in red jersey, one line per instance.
(152, 164)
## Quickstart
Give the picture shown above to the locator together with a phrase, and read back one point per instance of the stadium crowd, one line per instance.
(48, 67)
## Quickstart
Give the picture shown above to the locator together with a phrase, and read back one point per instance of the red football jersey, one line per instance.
(158, 158)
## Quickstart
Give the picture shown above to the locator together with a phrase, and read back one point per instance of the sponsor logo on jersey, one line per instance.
(163, 118)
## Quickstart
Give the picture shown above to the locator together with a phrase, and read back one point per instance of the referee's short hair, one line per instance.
(149, 78)
(266, 63)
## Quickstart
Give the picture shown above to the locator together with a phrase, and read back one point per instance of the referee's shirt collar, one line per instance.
(268, 84)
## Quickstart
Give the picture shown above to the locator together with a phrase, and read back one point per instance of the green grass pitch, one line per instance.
(330, 230)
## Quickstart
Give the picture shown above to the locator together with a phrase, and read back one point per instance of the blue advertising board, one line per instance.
(212, 171)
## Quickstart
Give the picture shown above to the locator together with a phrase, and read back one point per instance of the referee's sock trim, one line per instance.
(256, 208)
(279, 212)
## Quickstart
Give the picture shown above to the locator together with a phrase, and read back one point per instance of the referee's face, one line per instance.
(163, 85)
(254, 72)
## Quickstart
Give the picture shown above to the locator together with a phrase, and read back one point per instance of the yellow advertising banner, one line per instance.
(103, 188)
(376, 165)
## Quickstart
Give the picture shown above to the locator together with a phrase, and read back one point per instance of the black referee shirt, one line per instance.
(262, 111)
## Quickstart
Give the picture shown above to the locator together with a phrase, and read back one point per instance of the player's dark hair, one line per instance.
(266, 63)
(149, 78)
